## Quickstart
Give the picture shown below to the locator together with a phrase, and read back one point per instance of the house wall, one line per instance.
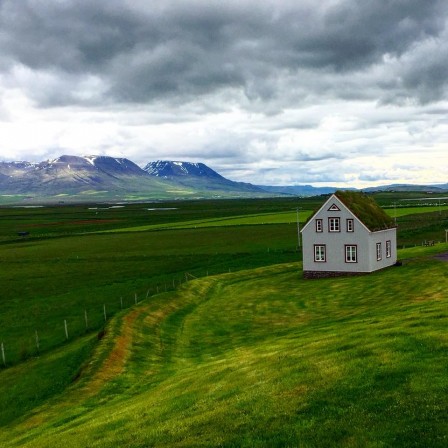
(335, 243)
(381, 237)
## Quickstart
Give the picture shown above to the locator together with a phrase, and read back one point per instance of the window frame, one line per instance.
(331, 228)
(320, 259)
(350, 225)
(388, 248)
(346, 247)
(319, 225)
(379, 251)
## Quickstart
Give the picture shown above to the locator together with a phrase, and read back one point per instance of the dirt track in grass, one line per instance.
(442, 257)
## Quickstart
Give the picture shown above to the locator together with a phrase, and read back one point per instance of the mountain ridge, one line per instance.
(100, 177)
(80, 178)
(190, 174)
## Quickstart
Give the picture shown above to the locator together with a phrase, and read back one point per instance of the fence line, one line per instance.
(11, 356)
(88, 320)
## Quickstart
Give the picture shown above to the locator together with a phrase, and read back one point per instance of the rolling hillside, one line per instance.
(255, 358)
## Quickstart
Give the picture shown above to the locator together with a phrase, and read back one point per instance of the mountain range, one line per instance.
(90, 178)
(103, 178)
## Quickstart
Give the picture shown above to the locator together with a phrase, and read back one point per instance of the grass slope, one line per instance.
(265, 358)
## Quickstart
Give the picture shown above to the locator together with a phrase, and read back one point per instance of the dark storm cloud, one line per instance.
(176, 51)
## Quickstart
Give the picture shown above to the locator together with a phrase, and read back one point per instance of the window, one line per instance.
(334, 208)
(351, 254)
(350, 226)
(334, 224)
(319, 225)
(379, 254)
(388, 249)
(319, 252)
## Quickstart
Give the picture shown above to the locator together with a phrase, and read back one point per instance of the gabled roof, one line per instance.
(365, 209)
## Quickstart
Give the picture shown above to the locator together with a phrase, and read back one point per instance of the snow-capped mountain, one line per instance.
(92, 177)
(90, 164)
(166, 169)
(69, 175)
(197, 175)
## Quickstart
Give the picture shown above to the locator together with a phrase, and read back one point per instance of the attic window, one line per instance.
(334, 208)
(319, 225)
(334, 224)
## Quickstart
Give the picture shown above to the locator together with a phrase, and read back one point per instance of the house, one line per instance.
(350, 234)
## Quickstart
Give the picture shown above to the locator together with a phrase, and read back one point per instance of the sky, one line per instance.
(348, 93)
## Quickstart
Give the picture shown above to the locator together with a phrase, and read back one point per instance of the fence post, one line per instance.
(121, 302)
(66, 329)
(3, 355)
(104, 310)
(135, 298)
(147, 293)
(85, 318)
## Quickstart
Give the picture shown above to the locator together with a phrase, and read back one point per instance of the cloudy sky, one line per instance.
(328, 92)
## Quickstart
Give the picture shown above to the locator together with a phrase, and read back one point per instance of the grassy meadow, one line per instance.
(259, 358)
(227, 344)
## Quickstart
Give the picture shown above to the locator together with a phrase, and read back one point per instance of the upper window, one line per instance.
(388, 249)
(334, 224)
(350, 225)
(351, 255)
(320, 252)
(379, 251)
(319, 225)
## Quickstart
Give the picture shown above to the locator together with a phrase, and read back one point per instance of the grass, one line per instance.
(284, 217)
(68, 266)
(265, 358)
(192, 340)
(47, 281)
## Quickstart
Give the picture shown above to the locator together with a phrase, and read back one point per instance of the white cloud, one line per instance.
(274, 93)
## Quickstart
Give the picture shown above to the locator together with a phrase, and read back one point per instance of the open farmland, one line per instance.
(260, 357)
(82, 264)
(84, 260)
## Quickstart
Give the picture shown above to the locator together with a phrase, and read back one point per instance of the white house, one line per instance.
(350, 234)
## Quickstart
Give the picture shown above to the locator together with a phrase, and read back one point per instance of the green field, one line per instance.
(281, 217)
(239, 350)
(257, 358)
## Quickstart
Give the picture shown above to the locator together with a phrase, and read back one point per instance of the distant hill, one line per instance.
(298, 190)
(409, 187)
(198, 176)
(171, 169)
(72, 175)
(103, 178)
(91, 178)
(308, 190)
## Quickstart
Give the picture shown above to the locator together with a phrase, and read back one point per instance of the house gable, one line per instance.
(332, 207)
(362, 207)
